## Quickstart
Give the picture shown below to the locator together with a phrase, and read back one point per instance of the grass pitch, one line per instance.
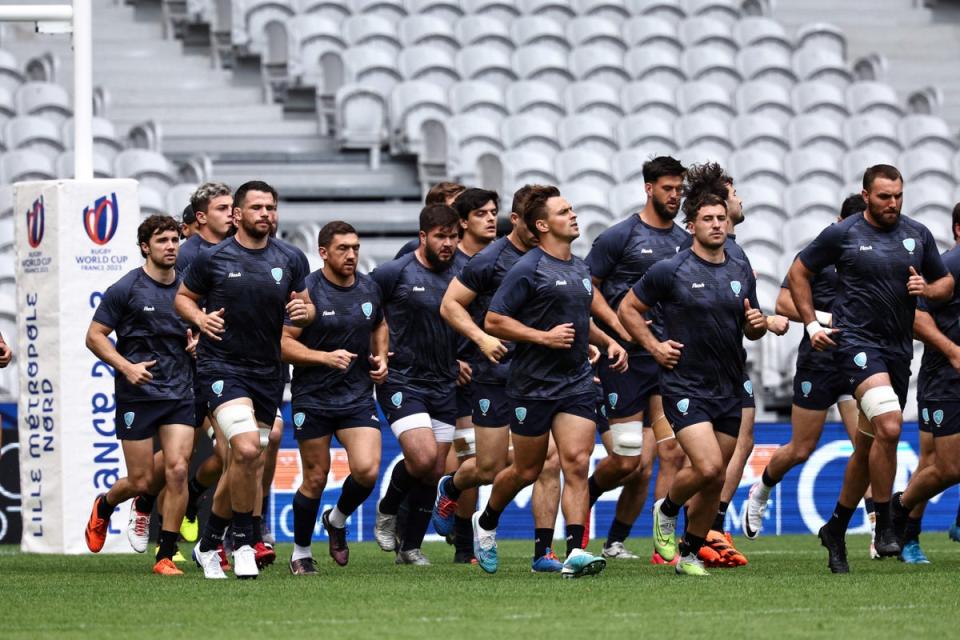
(785, 592)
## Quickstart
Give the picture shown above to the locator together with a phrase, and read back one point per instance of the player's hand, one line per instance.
(297, 311)
(617, 356)
(667, 353)
(755, 317)
(822, 340)
(6, 354)
(560, 337)
(139, 373)
(593, 355)
(192, 343)
(465, 375)
(212, 325)
(916, 285)
(378, 369)
(339, 359)
(491, 348)
(777, 325)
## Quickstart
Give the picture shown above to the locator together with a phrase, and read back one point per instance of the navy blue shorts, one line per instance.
(857, 364)
(534, 417)
(490, 405)
(265, 394)
(310, 422)
(748, 401)
(939, 417)
(464, 401)
(818, 390)
(399, 402)
(628, 393)
(140, 420)
(723, 413)
(603, 421)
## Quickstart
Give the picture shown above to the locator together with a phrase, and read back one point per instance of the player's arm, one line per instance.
(786, 307)
(294, 352)
(939, 290)
(615, 353)
(925, 330)
(755, 325)
(507, 328)
(187, 305)
(98, 341)
(454, 310)
(6, 354)
(801, 291)
(631, 313)
(603, 312)
(379, 352)
(300, 309)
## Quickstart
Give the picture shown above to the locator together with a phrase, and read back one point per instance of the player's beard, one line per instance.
(252, 230)
(878, 216)
(436, 262)
(660, 208)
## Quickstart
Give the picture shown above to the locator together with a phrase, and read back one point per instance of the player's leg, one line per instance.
(545, 504)
(315, 460)
(176, 441)
(424, 460)
(464, 449)
(670, 455)
(362, 444)
(911, 552)
(719, 539)
(850, 417)
(138, 457)
(266, 482)
(209, 553)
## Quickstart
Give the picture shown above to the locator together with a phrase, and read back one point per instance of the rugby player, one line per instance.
(440, 193)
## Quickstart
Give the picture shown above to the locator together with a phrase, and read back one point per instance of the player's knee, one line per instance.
(802, 451)
(881, 406)
(140, 482)
(365, 473)
(245, 452)
(420, 465)
(949, 469)
(529, 475)
(551, 466)
(670, 453)
(176, 471)
(712, 473)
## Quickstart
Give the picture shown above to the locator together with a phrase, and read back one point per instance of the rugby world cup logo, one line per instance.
(277, 274)
(806, 387)
(484, 405)
(909, 244)
(128, 418)
(683, 405)
(938, 417)
(100, 221)
(217, 387)
(298, 419)
(613, 398)
(521, 413)
(397, 399)
(367, 309)
(735, 285)
(860, 360)
(35, 220)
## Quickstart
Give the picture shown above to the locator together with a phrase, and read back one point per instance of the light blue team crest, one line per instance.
(613, 398)
(484, 405)
(748, 387)
(217, 387)
(128, 418)
(397, 399)
(938, 416)
(299, 418)
(603, 410)
(735, 285)
(806, 387)
(860, 360)
(277, 274)
(367, 308)
(926, 414)
(587, 285)
(909, 244)
(683, 405)
(521, 413)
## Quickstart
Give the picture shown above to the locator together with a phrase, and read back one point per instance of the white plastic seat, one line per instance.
(43, 99)
(312, 36)
(802, 200)
(22, 165)
(930, 204)
(766, 62)
(447, 10)
(654, 63)
(178, 197)
(626, 199)
(470, 136)
(482, 30)
(371, 66)
(764, 97)
(361, 114)
(559, 10)
(392, 10)
(335, 10)
(760, 198)
(671, 10)
(594, 98)
(697, 129)
(874, 131)
(584, 166)
(856, 161)
(720, 10)
(530, 132)
(874, 98)
(759, 167)
(33, 132)
(534, 97)
(251, 17)
(542, 62)
(760, 30)
(813, 165)
(706, 98)
(802, 230)
(522, 166)
(759, 132)
(599, 62)
(477, 97)
(11, 76)
(412, 104)
(430, 63)
(919, 165)
(761, 231)
(484, 63)
(704, 30)
(816, 131)
(7, 108)
(427, 30)
(503, 10)
(102, 166)
(712, 63)
(592, 220)
(373, 29)
(822, 37)
(816, 64)
(819, 96)
(701, 153)
(586, 199)
(650, 98)
(588, 30)
(615, 10)
(586, 132)
(152, 202)
(105, 140)
(533, 30)
(149, 167)
(642, 131)
(646, 30)
(930, 133)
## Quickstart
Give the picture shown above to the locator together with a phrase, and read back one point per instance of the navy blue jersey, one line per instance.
(346, 318)
(408, 247)
(466, 349)
(623, 253)
(541, 292)
(873, 308)
(424, 346)
(140, 310)
(824, 286)
(483, 275)
(253, 287)
(938, 380)
(189, 249)
(702, 306)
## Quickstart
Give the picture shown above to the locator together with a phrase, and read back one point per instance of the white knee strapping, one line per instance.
(627, 438)
(235, 419)
(264, 437)
(465, 442)
(442, 431)
(879, 400)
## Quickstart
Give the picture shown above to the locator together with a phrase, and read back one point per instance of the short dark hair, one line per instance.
(189, 216)
(701, 179)
(152, 226)
(956, 220)
(335, 228)
(473, 199)
(661, 167)
(439, 192)
(253, 185)
(520, 198)
(535, 206)
(438, 215)
(880, 171)
(200, 199)
(708, 199)
(852, 204)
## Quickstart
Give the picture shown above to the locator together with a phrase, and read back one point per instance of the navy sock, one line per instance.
(401, 482)
(352, 496)
(450, 488)
(542, 540)
(462, 535)
(720, 520)
(168, 544)
(767, 480)
(105, 509)
(489, 519)
(418, 520)
(883, 515)
(241, 529)
(595, 490)
(213, 532)
(304, 518)
(195, 491)
(868, 505)
(144, 503)
(840, 520)
(619, 531)
(670, 508)
(912, 531)
(575, 537)
(257, 530)
(690, 544)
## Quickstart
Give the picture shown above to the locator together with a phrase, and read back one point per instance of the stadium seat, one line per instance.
(592, 223)
(11, 76)
(615, 10)
(392, 10)
(649, 98)
(644, 132)
(762, 232)
(759, 167)
(654, 63)
(536, 98)
(821, 97)
(430, 63)
(766, 98)
(477, 97)
(105, 140)
(427, 30)
(361, 114)
(706, 98)
(816, 64)
(711, 63)
(485, 63)
(23, 165)
(589, 30)
(522, 166)
(800, 231)
(584, 166)
(822, 37)
(930, 133)
(33, 132)
(599, 62)
(411, 105)
(701, 153)
(931, 205)
(702, 130)
(6, 200)
(587, 200)
(766, 62)
(102, 166)
(372, 66)
(43, 99)
(7, 237)
(311, 36)
(626, 199)
(531, 133)
(856, 161)
(813, 165)
(646, 30)
(483, 30)
(152, 201)
(364, 29)
(149, 167)
(594, 98)
(503, 10)
(587, 132)
(542, 62)
(760, 30)
(250, 20)
(874, 98)
(335, 10)
(469, 136)
(532, 30)
(875, 132)
(919, 165)
(761, 199)
(805, 199)
(559, 10)
(706, 31)
(672, 10)
(816, 131)
(759, 132)
(7, 108)
(448, 10)
(720, 10)
(178, 197)
(627, 164)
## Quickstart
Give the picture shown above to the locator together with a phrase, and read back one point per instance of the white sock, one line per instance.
(336, 518)
(300, 553)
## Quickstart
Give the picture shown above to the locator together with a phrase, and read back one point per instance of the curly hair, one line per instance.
(702, 179)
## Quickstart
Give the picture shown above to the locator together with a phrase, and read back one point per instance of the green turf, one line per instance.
(785, 592)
